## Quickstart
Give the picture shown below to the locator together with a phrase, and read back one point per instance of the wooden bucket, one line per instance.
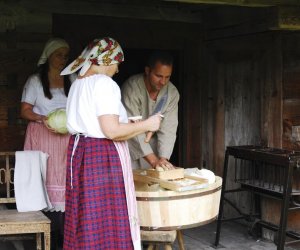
(170, 210)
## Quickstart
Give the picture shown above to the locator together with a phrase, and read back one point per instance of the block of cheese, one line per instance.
(170, 174)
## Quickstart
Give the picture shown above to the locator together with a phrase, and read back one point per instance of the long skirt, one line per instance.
(38, 137)
(96, 214)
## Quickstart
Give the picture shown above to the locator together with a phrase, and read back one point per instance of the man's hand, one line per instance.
(164, 163)
(161, 162)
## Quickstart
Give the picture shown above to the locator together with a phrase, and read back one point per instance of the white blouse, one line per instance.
(33, 94)
(89, 98)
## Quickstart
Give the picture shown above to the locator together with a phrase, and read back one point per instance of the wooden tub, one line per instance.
(170, 210)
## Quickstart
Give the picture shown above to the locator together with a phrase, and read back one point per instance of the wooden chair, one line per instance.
(13, 222)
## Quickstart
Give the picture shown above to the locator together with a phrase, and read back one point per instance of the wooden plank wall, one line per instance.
(291, 90)
(251, 95)
(241, 98)
(290, 118)
(241, 95)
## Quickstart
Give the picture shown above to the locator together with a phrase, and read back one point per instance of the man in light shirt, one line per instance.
(141, 93)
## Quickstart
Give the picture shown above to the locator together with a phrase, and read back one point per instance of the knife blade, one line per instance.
(158, 108)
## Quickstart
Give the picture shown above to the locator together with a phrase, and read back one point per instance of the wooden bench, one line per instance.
(13, 222)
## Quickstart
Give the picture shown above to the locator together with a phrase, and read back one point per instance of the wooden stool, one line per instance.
(167, 238)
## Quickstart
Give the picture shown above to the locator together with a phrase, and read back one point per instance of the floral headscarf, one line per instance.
(105, 51)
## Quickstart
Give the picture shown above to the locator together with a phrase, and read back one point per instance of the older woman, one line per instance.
(101, 210)
(45, 91)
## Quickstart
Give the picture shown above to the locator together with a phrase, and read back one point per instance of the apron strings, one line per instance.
(76, 140)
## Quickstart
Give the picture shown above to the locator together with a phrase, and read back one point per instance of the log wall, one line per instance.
(18, 58)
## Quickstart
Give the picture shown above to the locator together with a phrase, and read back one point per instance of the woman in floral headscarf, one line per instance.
(101, 211)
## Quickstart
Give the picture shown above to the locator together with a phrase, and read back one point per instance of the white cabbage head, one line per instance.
(57, 120)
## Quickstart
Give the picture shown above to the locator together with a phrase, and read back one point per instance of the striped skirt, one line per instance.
(38, 137)
(96, 214)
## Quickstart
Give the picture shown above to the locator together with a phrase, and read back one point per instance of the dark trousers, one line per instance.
(57, 229)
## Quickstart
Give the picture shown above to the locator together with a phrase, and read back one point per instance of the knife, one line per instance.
(158, 108)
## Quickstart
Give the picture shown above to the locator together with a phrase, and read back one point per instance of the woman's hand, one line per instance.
(153, 122)
(45, 121)
(28, 114)
(114, 130)
(150, 132)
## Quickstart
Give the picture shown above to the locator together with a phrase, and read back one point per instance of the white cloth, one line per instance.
(203, 173)
(98, 95)
(29, 181)
(33, 94)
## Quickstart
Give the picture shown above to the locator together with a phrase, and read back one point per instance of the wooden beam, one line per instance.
(226, 21)
(128, 9)
(289, 18)
(249, 3)
(36, 15)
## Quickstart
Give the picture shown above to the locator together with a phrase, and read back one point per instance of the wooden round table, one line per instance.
(165, 210)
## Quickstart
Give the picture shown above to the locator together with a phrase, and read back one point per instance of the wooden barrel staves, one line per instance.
(169, 210)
